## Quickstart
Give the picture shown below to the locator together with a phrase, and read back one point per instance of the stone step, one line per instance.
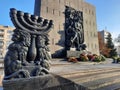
(76, 74)
(87, 78)
(115, 86)
(104, 82)
(96, 79)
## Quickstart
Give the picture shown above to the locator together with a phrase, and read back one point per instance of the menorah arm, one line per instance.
(28, 19)
(20, 22)
(39, 27)
(17, 24)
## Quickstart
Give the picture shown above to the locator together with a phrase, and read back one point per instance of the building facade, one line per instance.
(104, 34)
(54, 9)
(5, 39)
(118, 49)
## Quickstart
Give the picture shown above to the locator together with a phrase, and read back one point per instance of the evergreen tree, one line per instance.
(110, 46)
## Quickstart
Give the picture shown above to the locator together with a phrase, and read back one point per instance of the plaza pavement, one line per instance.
(93, 75)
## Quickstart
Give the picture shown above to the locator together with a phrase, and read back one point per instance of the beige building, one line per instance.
(5, 39)
(54, 9)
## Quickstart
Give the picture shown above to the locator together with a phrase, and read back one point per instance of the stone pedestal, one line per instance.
(74, 54)
(47, 82)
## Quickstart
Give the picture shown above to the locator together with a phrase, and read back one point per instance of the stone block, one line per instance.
(74, 54)
(47, 82)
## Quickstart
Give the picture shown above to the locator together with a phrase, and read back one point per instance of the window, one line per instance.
(9, 36)
(92, 45)
(65, 2)
(1, 36)
(1, 43)
(53, 11)
(89, 11)
(59, 27)
(59, 13)
(86, 22)
(53, 41)
(69, 4)
(91, 34)
(1, 30)
(90, 22)
(95, 35)
(88, 45)
(87, 33)
(92, 13)
(59, 1)
(8, 43)
(53, 27)
(93, 24)
(85, 10)
(9, 31)
(47, 9)
(95, 46)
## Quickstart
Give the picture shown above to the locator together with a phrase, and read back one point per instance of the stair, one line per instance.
(96, 79)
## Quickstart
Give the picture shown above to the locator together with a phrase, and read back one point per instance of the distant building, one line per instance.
(54, 9)
(117, 46)
(118, 49)
(5, 39)
(104, 34)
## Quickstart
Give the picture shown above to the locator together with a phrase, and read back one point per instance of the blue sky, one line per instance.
(107, 13)
(22, 5)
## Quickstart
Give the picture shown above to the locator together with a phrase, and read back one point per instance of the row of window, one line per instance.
(91, 34)
(54, 11)
(9, 31)
(61, 1)
(91, 23)
(92, 46)
(1, 30)
(89, 11)
(1, 36)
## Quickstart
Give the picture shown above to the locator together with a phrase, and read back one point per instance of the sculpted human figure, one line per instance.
(74, 29)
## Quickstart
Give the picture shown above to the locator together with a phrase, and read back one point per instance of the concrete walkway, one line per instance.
(92, 75)
(61, 65)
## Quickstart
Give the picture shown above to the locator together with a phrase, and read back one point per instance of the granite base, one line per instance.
(74, 54)
(47, 82)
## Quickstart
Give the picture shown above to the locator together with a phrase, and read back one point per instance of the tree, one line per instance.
(110, 46)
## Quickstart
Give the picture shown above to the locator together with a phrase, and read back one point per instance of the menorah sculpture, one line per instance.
(28, 55)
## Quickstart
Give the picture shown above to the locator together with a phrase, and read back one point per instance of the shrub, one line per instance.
(72, 59)
(115, 58)
(103, 58)
(90, 57)
(83, 57)
(97, 59)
